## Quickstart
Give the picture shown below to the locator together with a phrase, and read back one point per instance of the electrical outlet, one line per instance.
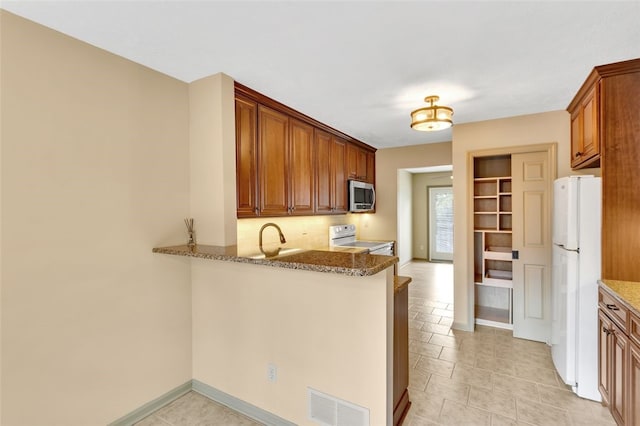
(272, 373)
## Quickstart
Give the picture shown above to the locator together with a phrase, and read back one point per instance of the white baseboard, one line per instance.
(210, 392)
(148, 408)
(239, 405)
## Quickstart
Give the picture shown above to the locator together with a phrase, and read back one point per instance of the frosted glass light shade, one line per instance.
(433, 117)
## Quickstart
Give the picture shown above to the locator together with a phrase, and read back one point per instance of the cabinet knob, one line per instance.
(257, 210)
(578, 154)
(606, 330)
(612, 307)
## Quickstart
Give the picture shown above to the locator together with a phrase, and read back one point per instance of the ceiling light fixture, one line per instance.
(433, 117)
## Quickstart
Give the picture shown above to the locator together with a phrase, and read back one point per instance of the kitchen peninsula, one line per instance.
(322, 320)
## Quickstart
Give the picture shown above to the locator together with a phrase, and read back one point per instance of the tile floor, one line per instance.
(482, 378)
(456, 378)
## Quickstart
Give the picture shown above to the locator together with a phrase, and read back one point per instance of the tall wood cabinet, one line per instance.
(289, 164)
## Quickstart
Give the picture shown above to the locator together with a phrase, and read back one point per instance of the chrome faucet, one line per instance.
(282, 239)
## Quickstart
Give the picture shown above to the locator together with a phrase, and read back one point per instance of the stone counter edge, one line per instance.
(280, 262)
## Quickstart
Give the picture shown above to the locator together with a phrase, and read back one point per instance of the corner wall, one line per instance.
(95, 172)
(213, 159)
(383, 224)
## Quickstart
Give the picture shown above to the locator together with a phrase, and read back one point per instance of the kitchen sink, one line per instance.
(273, 254)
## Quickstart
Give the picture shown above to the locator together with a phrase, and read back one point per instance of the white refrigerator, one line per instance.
(577, 202)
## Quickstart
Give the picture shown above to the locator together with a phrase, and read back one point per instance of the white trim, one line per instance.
(212, 393)
(152, 406)
(239, 405)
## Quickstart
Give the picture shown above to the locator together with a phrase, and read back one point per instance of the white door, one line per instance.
(532, 240)
(440, 223)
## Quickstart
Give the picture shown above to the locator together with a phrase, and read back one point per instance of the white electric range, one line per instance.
(345, 236)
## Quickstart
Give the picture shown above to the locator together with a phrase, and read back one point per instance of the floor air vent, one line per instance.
(328, 410)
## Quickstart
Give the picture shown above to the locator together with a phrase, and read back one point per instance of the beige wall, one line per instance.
(420, 215)
(325, 331)
(549, 127)
(213, 159)
(95, 172)
(383, 224)
(405, 209)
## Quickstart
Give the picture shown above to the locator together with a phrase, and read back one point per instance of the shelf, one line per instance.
(485, 188)
(493, 314)
(498, 253)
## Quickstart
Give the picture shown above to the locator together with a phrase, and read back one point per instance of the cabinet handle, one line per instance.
(578, 154)
(612, 307)
(257, 210)
(606, 330)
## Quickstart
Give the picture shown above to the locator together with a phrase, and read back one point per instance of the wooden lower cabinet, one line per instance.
(401, 401)
(633, 413)
(604, 358)
(619, 348)
(619, 362)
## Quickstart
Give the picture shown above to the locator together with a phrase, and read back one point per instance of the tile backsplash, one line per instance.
(306, 232)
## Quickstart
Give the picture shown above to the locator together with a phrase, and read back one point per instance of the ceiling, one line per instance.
(363, 66)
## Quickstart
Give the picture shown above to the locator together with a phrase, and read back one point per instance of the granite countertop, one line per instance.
(627, 291)
(400, 282)
(337, 262)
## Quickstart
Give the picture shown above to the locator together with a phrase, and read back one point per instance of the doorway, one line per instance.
(440, 217)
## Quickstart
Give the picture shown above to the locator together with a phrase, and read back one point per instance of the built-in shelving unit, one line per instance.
(493, 270)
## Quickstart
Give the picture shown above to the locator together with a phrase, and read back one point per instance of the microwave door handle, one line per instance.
(373, 192)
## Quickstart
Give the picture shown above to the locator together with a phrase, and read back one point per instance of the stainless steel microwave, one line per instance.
(362, 196)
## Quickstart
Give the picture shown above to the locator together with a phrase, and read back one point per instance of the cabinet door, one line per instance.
(273, 154)
(339, 175)
(371, 167)
(590, 137)
(301, 168)
(585, 137)
(324, 173)
(576, 138)
(352, 161)
(246, 158)
(618, 389)
(633, 412)
(604, 358)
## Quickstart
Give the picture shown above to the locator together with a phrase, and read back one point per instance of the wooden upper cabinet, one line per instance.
(246, 158)
(360, 163)
(331, 179)
(273, 161)
(339, 175)
(585, 130)
(371, 167)
(301, 168)
(352, 161)
(290, 164)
